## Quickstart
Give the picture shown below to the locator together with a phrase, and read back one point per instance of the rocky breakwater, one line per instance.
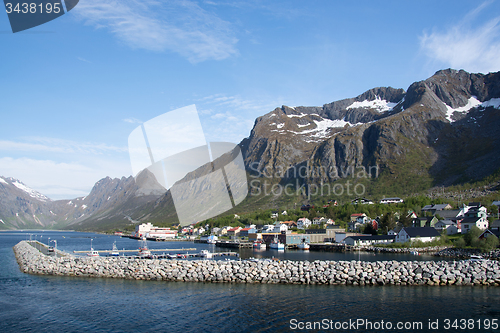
(290, 272)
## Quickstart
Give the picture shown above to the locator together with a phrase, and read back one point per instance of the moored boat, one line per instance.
(114, 251)
(93, 253)
(206, 254)
(259, 245)
(277, 245)
(303, 245)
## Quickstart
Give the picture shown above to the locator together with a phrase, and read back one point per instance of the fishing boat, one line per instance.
(114, 251)
(93, 253)
(144, 252)
(277, 245)
(476, 258)
(259, 245)
(206, 254)
(304, 245)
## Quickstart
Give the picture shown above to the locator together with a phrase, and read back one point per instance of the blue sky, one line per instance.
(73, 89)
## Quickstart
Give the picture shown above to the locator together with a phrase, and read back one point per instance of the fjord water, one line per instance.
(66, 304)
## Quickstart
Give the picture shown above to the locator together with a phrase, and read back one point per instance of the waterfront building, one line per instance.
(424, 234)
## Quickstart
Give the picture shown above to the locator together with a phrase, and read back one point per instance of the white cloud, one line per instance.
(179, 26)
(475, 49)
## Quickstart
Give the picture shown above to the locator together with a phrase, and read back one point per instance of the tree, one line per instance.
(406, 220)
(369, 229)
(471, 238)
(388, 222)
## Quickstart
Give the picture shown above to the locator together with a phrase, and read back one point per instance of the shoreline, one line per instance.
(404, 273)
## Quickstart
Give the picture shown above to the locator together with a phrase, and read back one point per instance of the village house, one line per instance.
(468, 222)
(435, 208)
(267, 228)
(476, 215)
(429, 221)
(246, 231)
(391, 200)
(490, 233)
(448, 225)
(424, 234)
(303, 223)
(234, 231)
(279, 228)
(367, 240)
(290, 224)
(354, 226)
(359, 217)
(361, 201)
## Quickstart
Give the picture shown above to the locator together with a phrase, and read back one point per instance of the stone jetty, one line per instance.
(484, 273)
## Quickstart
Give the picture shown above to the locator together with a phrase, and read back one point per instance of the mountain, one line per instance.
(441, 131)
(109, 202)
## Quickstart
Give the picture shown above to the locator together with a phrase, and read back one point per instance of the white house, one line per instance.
(267, 228)
(391, 200)
(468, 222)
(366, 240)
(424, 234)
(278, 228)
(303, 223)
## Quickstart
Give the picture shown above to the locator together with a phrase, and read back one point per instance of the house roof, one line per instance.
(358, 214)
(246, 229)
(396, 198)
(235, 229)
(421, 232)
(447, 222)
(493, 232)
(470, 219)
(448, 214)
(374, 237)
(474, 204)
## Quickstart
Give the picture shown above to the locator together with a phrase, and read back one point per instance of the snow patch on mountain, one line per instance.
(473, 102)
(381, 105)
(296, 115)
(3, 181)
(31, 192)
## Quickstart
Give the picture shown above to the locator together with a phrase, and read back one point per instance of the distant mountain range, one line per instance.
(441, 131)
(110, 200)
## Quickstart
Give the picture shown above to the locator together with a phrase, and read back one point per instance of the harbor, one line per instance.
(357, 273)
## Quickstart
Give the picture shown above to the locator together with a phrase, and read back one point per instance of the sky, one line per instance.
(72, 90)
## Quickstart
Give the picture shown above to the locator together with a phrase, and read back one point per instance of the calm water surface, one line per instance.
(63, 304)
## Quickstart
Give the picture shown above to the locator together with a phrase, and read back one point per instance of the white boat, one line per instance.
(476, 258)
(303, 245)
(144, 252)
(259, 245)
(277, 245)
(114, 251)
(93, 253)
(206, 254)
(415, 253)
